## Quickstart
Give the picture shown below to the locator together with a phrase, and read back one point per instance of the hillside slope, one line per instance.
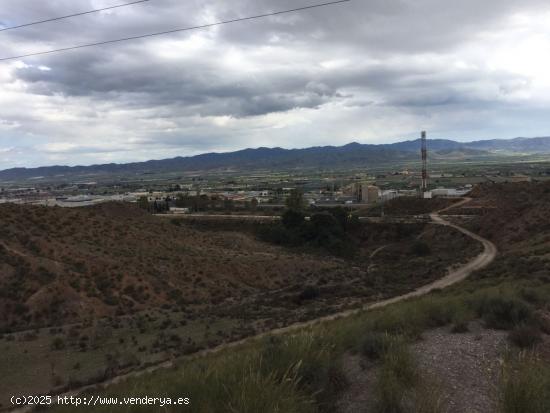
(411, 356)
(58, 265)
(515, 217)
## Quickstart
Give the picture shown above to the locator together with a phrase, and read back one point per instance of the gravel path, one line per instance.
(467, 366)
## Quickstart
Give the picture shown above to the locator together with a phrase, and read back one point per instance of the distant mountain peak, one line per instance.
(353, 154)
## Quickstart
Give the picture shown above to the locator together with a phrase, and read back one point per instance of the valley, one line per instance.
(374, 356)
(157, 289)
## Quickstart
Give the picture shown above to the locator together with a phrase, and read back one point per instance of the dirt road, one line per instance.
(455, 276)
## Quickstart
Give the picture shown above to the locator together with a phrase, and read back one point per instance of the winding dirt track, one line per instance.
(455, 276)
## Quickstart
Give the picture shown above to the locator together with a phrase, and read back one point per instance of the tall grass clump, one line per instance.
(402, 320)
(375, 345)
(410, 319)
(428, 397)
(461, 320)
(526, 386)
(311, 358)
(398, 375)
(234, 382)
(525, 336)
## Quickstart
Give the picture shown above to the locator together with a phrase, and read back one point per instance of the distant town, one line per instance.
(253, 193)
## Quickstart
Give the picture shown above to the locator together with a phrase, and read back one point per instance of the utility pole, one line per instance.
(424, 187)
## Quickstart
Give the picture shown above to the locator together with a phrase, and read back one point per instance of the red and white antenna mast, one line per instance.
(424, 163)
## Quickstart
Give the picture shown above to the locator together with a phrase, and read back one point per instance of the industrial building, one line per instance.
(365, 193)
(447, 192)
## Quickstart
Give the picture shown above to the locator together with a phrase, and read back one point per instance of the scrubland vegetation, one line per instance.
(301, 372)
(92, 293)
(308, 372)
(60, 266)
(304, 371)
(328, 230)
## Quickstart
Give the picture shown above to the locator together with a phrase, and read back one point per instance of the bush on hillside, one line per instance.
(323, 230)
(525, 336)
(503, 313)
(375, 345)
(309, 293)
(292, 219)
(421, 249)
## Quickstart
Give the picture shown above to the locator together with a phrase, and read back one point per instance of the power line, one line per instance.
(72, 15)
(204, 26)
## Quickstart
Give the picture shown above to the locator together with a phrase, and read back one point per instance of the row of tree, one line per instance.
(196, 203)
(329, 230)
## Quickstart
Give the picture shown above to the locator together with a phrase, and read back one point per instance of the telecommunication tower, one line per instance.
(424, 163)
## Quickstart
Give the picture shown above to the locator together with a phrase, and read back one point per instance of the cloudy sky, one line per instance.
(372, 71)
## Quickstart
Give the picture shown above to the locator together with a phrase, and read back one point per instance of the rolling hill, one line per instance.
(350, 155)
(59, 265)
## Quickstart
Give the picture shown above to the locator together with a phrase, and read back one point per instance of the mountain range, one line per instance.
(350, 155)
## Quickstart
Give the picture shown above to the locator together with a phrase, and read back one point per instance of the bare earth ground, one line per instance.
(466, 366)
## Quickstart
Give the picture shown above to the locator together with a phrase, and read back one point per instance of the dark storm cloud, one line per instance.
(121, 71)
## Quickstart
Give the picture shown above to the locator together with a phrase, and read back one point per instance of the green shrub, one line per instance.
(58, 343)
(309, 293)
(412, 318)
(460, 327)
(503, 312)
(293, 219)
(532, 295)
(438, 313)
(461, 320)
(399, 320)
(325, 230)
(421, 249)
(525, 336)
(375, 345)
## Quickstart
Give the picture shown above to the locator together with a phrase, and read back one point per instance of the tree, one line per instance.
(295, 200)
(143, 203)
(293, 219)
(346, 220)
(325, 224)
(184, 201)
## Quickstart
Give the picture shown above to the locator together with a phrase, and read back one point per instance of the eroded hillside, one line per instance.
(516, 216)
(58, 265)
